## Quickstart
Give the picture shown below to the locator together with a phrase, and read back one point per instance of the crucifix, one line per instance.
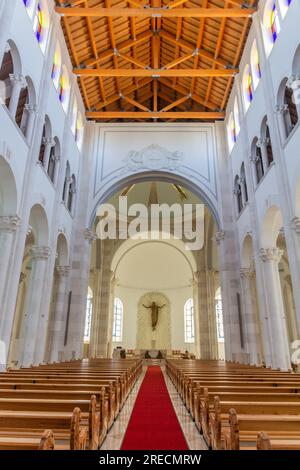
(154, 313)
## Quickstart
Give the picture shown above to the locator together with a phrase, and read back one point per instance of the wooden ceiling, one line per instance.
(166, 60)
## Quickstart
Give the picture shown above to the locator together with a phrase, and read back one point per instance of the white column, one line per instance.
(56, 169)
(262, 144)
(243, 190)
(49, 143)
(32, 112)
(275, 314)
(18, 83)
(280, 111)
(8, 227)
(197, 307)
(60, 312)
(32, 308)
(252, 327)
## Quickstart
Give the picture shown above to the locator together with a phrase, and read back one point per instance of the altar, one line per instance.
(153, 353)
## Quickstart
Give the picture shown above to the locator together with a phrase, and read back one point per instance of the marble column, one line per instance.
(58, 325)
(56, 160)
(251, 320)
(275, 308)
(202, 325)
(49, 144)
(262, 144)
(281, 110)
(32, 112)
(32, 308)
(8, 227)
(18, 83)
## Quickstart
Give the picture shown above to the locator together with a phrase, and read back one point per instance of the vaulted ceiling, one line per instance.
(167, 60)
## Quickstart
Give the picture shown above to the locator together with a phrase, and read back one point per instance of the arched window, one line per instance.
(238, 194)
(243, 183)
(291, 115)
(259, 166)
(71, 195)
(231, 131)
(269, 146)
(54, 161)
(247, 86)
(41, 23)
(189, 322)
(74, 117)
(6, 71)
(64, 88)
(29, 4)
(236, 115)
(118, 321)
(21, 113)
(66, 183)
(56, 67)
(284, 6)
(255, 65)
(88, 316)
(79, 130)
(219, 316)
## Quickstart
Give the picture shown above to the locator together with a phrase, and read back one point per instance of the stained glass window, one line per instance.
(38, 24)
(274, 22)
(118, 321)
(255, 65)
(189, 326)
(79, 129)
(64, 88)
(56, 68)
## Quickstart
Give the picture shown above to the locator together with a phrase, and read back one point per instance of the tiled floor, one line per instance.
(115, 436)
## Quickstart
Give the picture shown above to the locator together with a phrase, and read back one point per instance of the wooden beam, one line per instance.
(195, 97)
(159, 115)
(174, 104)
(115, 97)
(135, 103)
(117, 12)
(155, 73)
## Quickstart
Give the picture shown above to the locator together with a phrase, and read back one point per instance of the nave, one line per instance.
(127, 405)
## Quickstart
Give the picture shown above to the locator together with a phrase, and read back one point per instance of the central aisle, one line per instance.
(153, 424)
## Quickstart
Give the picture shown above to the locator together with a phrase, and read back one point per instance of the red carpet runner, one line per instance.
(153, 424)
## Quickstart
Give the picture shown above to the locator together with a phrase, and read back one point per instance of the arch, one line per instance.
(64, 88)
(162, 176)
(271, 226)
(8, 189)
(266, 138)
(26, 100)
(285, 97)
(296, 61)
(38, 222)
(10, 66)
(62, 250)
(256, 156)
(46, 136)
(247, 86)
(255, 64)
(56, 67)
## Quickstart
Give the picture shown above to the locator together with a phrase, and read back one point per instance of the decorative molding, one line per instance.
(39, 252)
(153, 157)
(63, 271)
(294, 82)
(247, 273)
(9, 223)
(295, 225)
(18, 79)
(281, 108)
(271, 254)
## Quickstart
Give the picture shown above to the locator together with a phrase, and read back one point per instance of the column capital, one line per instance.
(247, 273)
(31, 108)
(262, 143)
(9, 223)
(18, 78)
(295, 225)
(281, 108)
(254, 159)
(49, 141)
(271, 254)
(218, 236)
(39, 252)
(294, 81)
(90, 235)
(63, 271)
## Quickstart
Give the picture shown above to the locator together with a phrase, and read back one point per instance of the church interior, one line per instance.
(149, 225)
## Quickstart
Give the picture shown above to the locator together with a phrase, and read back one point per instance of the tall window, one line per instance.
(118, 321)
(56, 67)
(219, 316)
(64, 88)
(247, 86)
(189, 325)
(255, 65)
(88, 317)
(274, 22)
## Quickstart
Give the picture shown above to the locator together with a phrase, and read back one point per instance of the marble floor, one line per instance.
(116, 434)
